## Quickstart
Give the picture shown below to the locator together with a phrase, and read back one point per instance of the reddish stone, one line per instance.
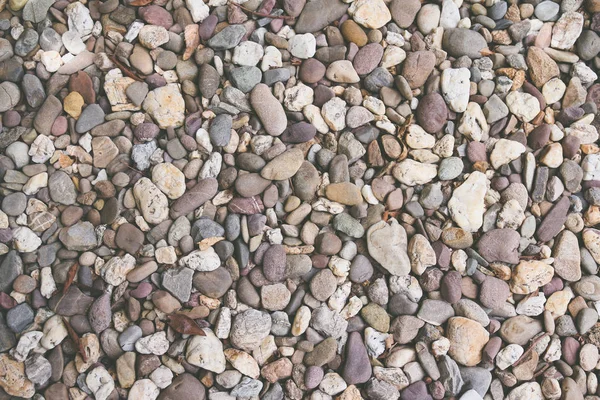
(81, 83)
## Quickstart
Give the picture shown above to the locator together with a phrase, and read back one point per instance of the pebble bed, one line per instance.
(291, 199)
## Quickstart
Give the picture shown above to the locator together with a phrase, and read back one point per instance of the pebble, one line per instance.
(283, 166)
(303, 46)
(467, 202)
(388, 246)
(460, 42)
(206, 352)
(467, 339)
(455, 87)
(432, 112)
(249, 329)
(268, 109)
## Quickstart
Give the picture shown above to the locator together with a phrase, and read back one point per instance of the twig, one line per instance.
(258, 14)
(125, 70)
(522, 358)
(541, 371)
(75, 338)
(70, 277)
(131, 168)
(87, 288)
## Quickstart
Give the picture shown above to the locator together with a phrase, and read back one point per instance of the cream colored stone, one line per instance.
(467, 203)
(528, 276)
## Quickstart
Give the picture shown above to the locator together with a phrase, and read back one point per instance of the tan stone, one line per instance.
(12, 378)
(371, 14)
(277, 370)
(126, 369)
(73, 104)
(243, 362)
(166, 106)
(467, 339)
(91, 346)
(528, 276)
(352, 32)
(104, 151)
(169, 179)
(541, 67)
(115, 85)
(344, 192)
(284, 166)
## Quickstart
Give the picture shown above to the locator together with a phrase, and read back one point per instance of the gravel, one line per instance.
(299, 200)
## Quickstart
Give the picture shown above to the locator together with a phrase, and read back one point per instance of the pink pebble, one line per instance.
(142, 290)
(59, 127)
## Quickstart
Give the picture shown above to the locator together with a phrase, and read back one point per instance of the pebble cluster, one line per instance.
(291, 199)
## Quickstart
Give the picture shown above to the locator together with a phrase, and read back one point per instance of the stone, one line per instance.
(546, 11)
(542, 68)
(530, 390)
(206, 352)
(467, 339)
(342, 71)
(520, 329)
(284, 166)
(323, 285)
(567, 258)
(417, 67)
(184, 387)
(246, 53)
(100, 314)
(411, 173)
(460, 42)
(90, 117)
(404, 13)
(249, 328)
(506, 151)
(344, 193)
(202, 260)
(169, 179)
(303, 45)
(494, 292)
(10, 267)
(144, 388)
(10, 95)
(372, 15)
(194, 197)
(528, 276)
(523, 105)
(566, 30)
(25, 240)
(428, 18)
(268, 109)
(357, 368)
(588, 45)
(19, 317)
(151, 201)
(104, 151)
(243, 362)
(245, 78)
(553, 220)
(100, 383)
(387, 244)
(316, 15)
(455, 85)
(153, 36)
(467, 203)
(227, 38)
(12, 378)
(62, 189)
(432, 112)
(166, 106)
